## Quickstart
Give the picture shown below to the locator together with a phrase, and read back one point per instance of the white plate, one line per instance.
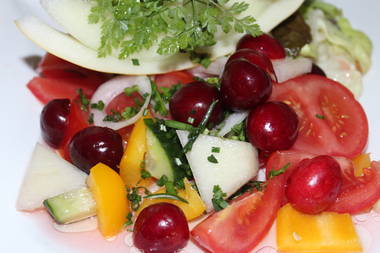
(19, 127)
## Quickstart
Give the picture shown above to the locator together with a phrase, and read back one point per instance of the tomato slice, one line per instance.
(244, 223)
(350, 200)
(358, 194)
(172, 78)
(332, 122)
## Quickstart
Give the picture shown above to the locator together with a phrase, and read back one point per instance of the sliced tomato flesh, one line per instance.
(243, 224)
(332, 122)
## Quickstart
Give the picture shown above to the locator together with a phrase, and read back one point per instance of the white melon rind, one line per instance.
(80, 46)
(237, 164)
(46, 176)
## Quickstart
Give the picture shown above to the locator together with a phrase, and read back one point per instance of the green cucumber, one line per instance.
(164, 152)
(71, 206)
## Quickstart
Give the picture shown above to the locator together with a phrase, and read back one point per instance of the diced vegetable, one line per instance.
(132, 161)
(71, 206)
(164, 152)
(360, 163)
(46, 176)
(192, 210)
(326, 232)
(110, 196)
(236, 159)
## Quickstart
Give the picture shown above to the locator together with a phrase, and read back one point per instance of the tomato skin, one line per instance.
(343, 128)
(172, 78)
(350, 199)
(243, 224)
(358, 194)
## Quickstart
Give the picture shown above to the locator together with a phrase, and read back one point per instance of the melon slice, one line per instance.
(72, 15)
(47, 175)
(237, 163)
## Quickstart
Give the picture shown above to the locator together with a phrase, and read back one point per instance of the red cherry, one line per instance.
(315, 184)
(161, 228)
(264, 44)
(244, 85)
(272, 126)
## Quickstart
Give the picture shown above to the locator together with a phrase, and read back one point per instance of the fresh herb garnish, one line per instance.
(98, 106)
(159, 104)
(218, 198)
(145, 174)
(130, 26)
(237, 132)
(135, 62)
(134, 198)
(168, 92)
(212, 159)
(215, 149)
(319, 116)
(83, 100)
(129, 112)
(113, 117)
(193, 135)
(178, 125)
(129, 220)
(130, 90)
(91, 118)
(274, 173)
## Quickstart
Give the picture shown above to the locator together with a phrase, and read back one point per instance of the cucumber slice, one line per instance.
(71, 206)
(164, 153)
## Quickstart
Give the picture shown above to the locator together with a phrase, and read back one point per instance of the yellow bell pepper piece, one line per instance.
(192, 210)
(360, 163)
(133, 157)
(110, 195)
(326, 232)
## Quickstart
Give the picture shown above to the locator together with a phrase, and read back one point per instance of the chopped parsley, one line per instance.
(215, 149)
(130, 90)
(113, 117)
(135, 62)
(129, 220)
(237, 132)
(158, 101)
(129, 26)
(91, 119)
(168, 92)
(212, 159)
(218, 198)
(83, 100)
(319, 116)
(98, 106)
(145, 174)
(274, 173)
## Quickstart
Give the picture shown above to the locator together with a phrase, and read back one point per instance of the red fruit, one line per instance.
(244, 85)
(315, 184)
(264, 44)
(272, 126)
(161, 228)
(255, 57)
(190, 103)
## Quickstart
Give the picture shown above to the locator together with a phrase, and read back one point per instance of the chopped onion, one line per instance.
(232, 120)
(215, 69)
(288, 68)
(88, 224)
(112, 88)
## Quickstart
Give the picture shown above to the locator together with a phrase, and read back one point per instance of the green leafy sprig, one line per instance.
(129, 26)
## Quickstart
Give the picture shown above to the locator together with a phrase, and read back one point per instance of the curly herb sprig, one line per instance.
(129, 26)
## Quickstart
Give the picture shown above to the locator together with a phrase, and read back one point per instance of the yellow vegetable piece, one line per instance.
(326, 232)
(192, 210)
(110, 195)
(360, 163)
(133, 157)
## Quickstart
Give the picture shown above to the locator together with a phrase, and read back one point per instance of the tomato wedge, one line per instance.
(358, 194)
(244, 223)
(172, 78)
(332, 122)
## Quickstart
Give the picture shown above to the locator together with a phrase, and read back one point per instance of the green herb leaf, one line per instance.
(178, 125)
(135, 62)
(215, 149)
(145, 174)
(83, 100)
(274, 173)
(98, 106)
(91, 118)
(218, 199)
(158, 102)
(129, 90)
(319, 116)
(212, 159)
(129, 26)
(129, 219)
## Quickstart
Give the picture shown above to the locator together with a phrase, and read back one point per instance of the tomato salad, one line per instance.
(304, 135)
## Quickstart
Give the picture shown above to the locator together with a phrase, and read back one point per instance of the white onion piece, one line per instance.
(215, 69)
(111, 89)
(288, 68)
(231, 121)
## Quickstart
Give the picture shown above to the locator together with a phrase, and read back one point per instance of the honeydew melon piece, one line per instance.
(72, 15)
(237, 164)
(47, 175)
